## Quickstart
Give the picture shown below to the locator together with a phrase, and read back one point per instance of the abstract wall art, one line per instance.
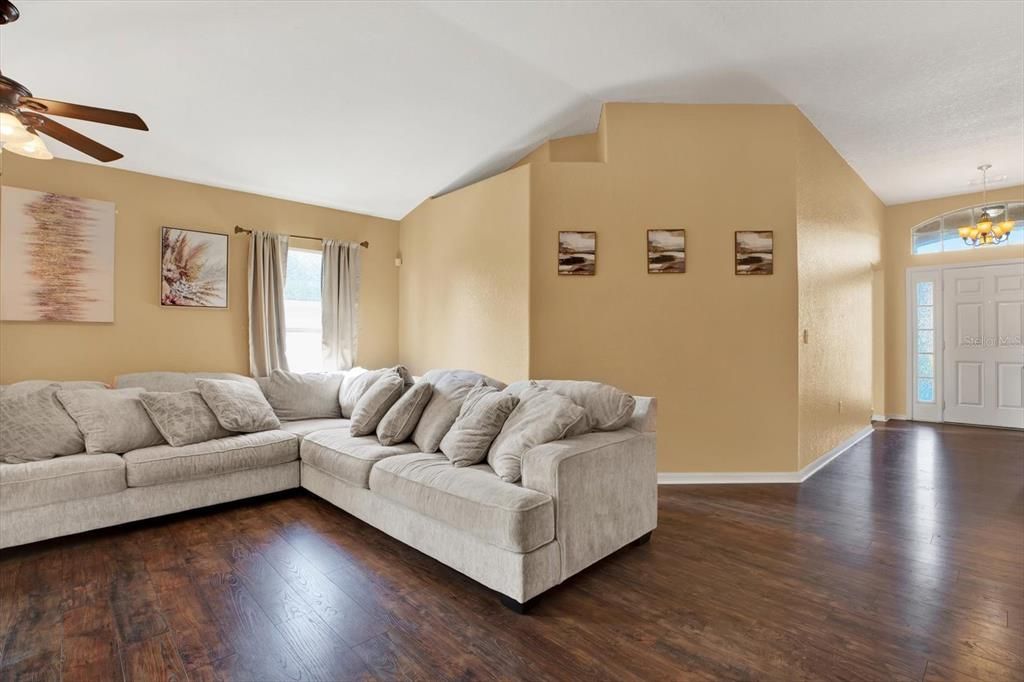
(193, 268)
(577, 253)
(666, 251)
(56, 257)
(754, 252)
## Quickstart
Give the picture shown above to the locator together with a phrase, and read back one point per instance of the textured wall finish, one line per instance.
(465, 280)
(716, 349)
(145, 336)
(899, 220)
(839, 235)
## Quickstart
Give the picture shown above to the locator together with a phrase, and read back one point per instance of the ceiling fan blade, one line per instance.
(61, 133)
(84, 113)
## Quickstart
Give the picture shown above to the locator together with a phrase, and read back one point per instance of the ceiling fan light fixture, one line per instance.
(12, 130)
(33, 148)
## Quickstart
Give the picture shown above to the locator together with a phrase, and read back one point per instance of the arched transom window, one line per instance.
(941, 233)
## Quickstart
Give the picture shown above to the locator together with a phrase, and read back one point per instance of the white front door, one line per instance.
(983, 366)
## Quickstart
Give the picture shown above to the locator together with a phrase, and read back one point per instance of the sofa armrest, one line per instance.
(645, 415)
(605, 489)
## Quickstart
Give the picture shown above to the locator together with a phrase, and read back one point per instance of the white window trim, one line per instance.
(941, 218)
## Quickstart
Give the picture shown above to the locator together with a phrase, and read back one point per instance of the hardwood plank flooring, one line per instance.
(901, 560)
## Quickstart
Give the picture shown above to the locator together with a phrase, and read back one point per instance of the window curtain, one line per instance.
(268, 264)
(339, 300)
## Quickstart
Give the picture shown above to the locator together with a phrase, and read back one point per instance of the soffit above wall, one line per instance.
(372, 107)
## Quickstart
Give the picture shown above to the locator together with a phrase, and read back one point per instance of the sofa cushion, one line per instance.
(304, 427)
(482, 415)
(111, 421)
(608, 408)
(348, 457)
(376, 402)
(182, 417)
(239, 407)
(451, 386)
(35, 484)
(398, 424)
(541, 417)
(168, 464)
(34, 426)
(169, 382)
(470, 499)
(295, 395)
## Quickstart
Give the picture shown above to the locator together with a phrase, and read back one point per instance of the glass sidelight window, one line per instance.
(924, 345)
(925, 349)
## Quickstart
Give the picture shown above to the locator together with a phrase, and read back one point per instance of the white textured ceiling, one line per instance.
(374, 107)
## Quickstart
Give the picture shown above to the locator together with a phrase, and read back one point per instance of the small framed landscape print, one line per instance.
(666, 251)
(193, 269)
(577, 253)
(754, 252)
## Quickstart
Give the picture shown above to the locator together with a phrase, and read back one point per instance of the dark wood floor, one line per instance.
(902, 560)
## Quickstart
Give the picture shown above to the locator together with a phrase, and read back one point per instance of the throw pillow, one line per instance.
(183, 418)
(450, 389)
(359, 380)
(541, 417)
(397, 425)
(239, 407)
(111, 421)
(608, 408)
(375, 403)
(35, 426)
(295, 395)
(481, 417)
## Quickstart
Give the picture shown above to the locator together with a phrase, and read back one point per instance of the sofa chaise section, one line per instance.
(470, 499)
(580, 500)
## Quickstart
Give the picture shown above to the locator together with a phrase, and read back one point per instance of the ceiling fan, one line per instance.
(22, 116)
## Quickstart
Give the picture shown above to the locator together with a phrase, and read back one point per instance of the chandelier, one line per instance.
(986, 232)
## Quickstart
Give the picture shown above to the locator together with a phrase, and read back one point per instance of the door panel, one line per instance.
(970, 384)
(983, 364)
(1009, 377)
(969, 324)
(1009, 316)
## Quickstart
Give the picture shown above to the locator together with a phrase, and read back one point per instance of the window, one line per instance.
(925, 350)
(940, 234)
(303, 336)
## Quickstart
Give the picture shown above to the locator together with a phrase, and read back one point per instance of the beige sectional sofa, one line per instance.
(580, 498)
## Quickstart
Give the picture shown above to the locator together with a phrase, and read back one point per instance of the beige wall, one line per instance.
(145, 336)
(715, 348)
(899, 220)
(464, 282)
(839, 234)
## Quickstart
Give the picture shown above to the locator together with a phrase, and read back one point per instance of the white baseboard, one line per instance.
(879, 418)
(765, 476)
(898, 417)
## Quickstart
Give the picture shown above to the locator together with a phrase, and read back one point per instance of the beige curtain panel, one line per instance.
(339, 298)
(268, 263)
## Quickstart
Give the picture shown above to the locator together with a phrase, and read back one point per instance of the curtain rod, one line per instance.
(241, 230)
